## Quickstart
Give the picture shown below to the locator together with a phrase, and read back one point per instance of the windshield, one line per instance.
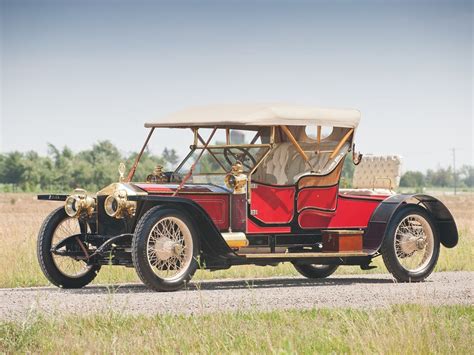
(216, 162)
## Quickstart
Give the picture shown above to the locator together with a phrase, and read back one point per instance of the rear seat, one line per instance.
(376, 175)
(318, 161)
(284, 165)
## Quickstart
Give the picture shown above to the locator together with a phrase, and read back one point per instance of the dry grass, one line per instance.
(397, 330)
(21, 216)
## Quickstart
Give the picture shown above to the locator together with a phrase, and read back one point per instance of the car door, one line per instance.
(272, 204)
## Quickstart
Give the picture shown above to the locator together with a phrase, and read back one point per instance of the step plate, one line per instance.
(304, 255)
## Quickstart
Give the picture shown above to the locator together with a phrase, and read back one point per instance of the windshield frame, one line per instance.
(206, 146)
(199, 145)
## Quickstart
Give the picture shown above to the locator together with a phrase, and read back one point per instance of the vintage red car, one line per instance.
(260, 185)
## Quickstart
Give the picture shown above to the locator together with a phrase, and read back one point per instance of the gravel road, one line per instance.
(357, 291)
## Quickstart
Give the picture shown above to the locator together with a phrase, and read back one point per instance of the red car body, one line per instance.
(281, 202)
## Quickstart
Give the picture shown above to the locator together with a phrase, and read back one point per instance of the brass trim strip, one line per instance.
(220, 146)
(160, 193)
(235, 239)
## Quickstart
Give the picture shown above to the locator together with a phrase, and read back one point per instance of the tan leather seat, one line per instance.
(376, 175)
(284, 165)
(320, 162)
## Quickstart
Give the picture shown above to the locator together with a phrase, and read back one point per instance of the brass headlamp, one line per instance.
(79, 203)
(236, 179)
(117, 205)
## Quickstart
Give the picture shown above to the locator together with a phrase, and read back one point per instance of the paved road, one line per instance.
(358, 291)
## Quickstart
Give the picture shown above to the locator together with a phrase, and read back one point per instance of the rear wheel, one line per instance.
(165, 249)
(411, 248)
(62, 271)
(315, 271)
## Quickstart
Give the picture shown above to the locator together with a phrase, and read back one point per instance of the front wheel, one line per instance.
(411, 247)
(63, 271)
(165, 249)
(315, 271)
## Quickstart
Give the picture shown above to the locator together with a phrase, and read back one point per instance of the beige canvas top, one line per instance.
(232, 115)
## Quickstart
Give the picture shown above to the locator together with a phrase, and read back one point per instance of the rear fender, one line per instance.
(381, 217)
(215, 250)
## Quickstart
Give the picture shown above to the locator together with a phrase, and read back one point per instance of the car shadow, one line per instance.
(222, 285)
(282, 282)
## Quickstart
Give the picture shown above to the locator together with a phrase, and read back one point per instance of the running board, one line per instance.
(304, 255)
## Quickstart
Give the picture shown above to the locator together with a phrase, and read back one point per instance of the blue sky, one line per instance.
(75, 72)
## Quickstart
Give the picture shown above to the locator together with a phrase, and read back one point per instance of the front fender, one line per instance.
(380, 219)
(216, 252)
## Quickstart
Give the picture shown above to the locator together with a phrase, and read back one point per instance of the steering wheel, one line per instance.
(239, 157)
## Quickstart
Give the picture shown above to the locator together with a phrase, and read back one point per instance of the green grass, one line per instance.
(400, 329)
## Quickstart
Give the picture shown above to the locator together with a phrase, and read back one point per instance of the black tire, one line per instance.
(46, 260)
(388, 250)
(314, 271)
(140, 258)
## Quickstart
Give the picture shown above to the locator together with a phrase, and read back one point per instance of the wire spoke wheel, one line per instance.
(411, 247)
(165, 249)
(61, 270)
(68, 266)
(414, 243)
(169, 248)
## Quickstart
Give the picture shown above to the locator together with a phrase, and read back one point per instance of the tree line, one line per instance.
(441, 177)
(63, 170)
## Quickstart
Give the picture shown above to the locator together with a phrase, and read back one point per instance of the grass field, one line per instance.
(400, 329)
(22, 215)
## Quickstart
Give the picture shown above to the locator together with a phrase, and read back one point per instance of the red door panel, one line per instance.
(324, 198)
(272, 204)
(350, 213)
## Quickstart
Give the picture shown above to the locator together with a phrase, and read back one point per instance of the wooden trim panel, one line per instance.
(322, 180)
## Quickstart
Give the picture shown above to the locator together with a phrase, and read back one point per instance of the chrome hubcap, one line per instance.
(166, 248)
(170, 248)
